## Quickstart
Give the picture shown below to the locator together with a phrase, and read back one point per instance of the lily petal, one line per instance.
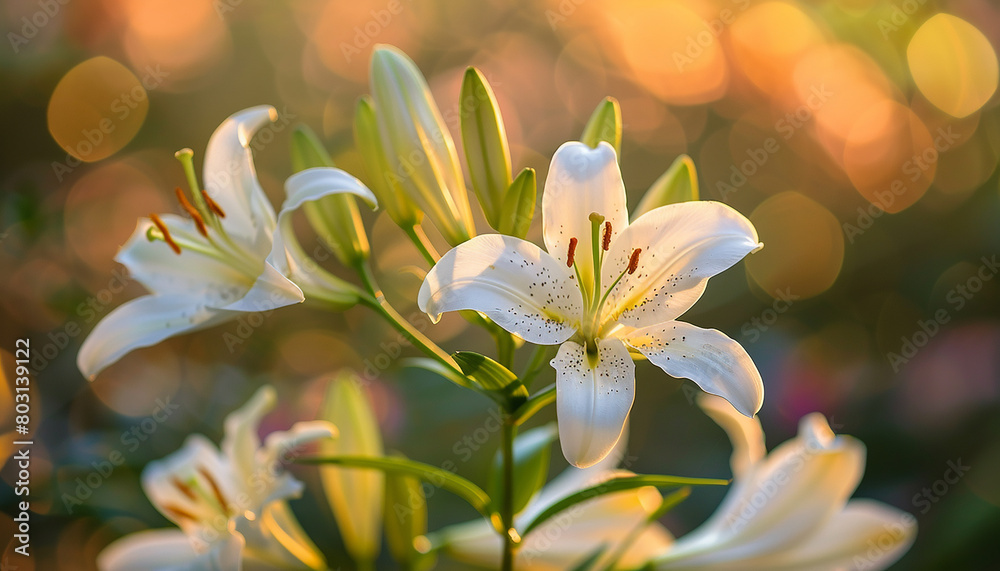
(592, 402)
(745, 433)
(270, 291)
(161, 271)
(520, 287)
(581, 181)
(240, 443)
(166, 549)
(306, 186)
(681, 246)
(782, 501)
(716, 363)
(143, 322)
(231, 181)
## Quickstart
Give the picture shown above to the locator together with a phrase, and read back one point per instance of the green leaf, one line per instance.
(519, 205)
(405, 516)
(531, 465)
(605, 124)
(613, 485)
(590, 562)
(437, 367)
(484, 141)
(537, 402)
(502, 385)
(678, 184)
(461, 487)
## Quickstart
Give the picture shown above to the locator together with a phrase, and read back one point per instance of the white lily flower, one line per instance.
(605, 288)
(574, 535)
(789, 510)
(234, 254)
(229, 503)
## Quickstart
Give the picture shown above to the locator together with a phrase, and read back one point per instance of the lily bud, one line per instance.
(356, 496)
(391, 195)
(605, 124)
(419, 150)
(678, 184)
(519, 205)
(334, 218)
(405, 517)
(484, 141)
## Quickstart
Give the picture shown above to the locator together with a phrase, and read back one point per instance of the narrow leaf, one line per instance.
(501, 384)
(531, 465)
(461, 487)
(617, 485)
(484, 141)
(589, 564)
(537, 402)
(678, 184)
(519, 205)
(605, 124)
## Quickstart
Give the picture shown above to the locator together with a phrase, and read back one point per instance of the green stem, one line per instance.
(378, 302)
(510, 538)
(535, 364)
(505, 348)
(423, 243)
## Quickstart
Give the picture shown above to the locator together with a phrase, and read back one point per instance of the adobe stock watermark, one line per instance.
(783, 300)
(786, 127)
(563, 12)
(696, 44)
(118, 110)
(31, 25)
(130, 440)
(901, 14)
(957, 298)
(930, 495)
(366, 33)
(914, 167)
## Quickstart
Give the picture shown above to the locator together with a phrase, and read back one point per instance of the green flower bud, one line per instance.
(605, 124)
(678, 184)
(484, 141)
(519, 205)
(418, 148)
(391, 196)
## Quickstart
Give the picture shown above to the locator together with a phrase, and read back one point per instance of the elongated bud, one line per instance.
(356, 496)
(605, 124)
(484, 141)
(678, 184)
(419, 150)
(334, 218)
(391, 196)
(405, 517)
(519, 205)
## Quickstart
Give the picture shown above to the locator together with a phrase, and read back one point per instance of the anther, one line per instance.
(215, 488)
(633, 262)
(166, 233)
(179, 513)
(212, 205)
(184, 488)
(192, 212)
(572, 252)
(606, 243)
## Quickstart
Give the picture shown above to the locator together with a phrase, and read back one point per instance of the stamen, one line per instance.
(215, 488)
(633, 262)
(572, 252)
(184, 488)
(186, 158)
(212, 205)
(192, 212)
(179, 513)
(166, 233)
(606, 243)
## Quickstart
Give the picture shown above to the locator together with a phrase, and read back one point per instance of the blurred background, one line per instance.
(860, 136)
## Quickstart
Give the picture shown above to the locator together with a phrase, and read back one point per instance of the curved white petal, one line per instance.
(310, 185)
(864, 535)
(780, 502)
(716, 363)
(682, 245)
(160, 270)
(231, 181)
(745, 433)
(581, 180)
(240, 443)
(270, 291)
(520, 287)
(592, 402)
(152, 550)
(143, 322)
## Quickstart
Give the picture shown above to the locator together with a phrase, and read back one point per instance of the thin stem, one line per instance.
(535, 364)
(423, 243)
(378, 302)
(510, 538)
(505, 348)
